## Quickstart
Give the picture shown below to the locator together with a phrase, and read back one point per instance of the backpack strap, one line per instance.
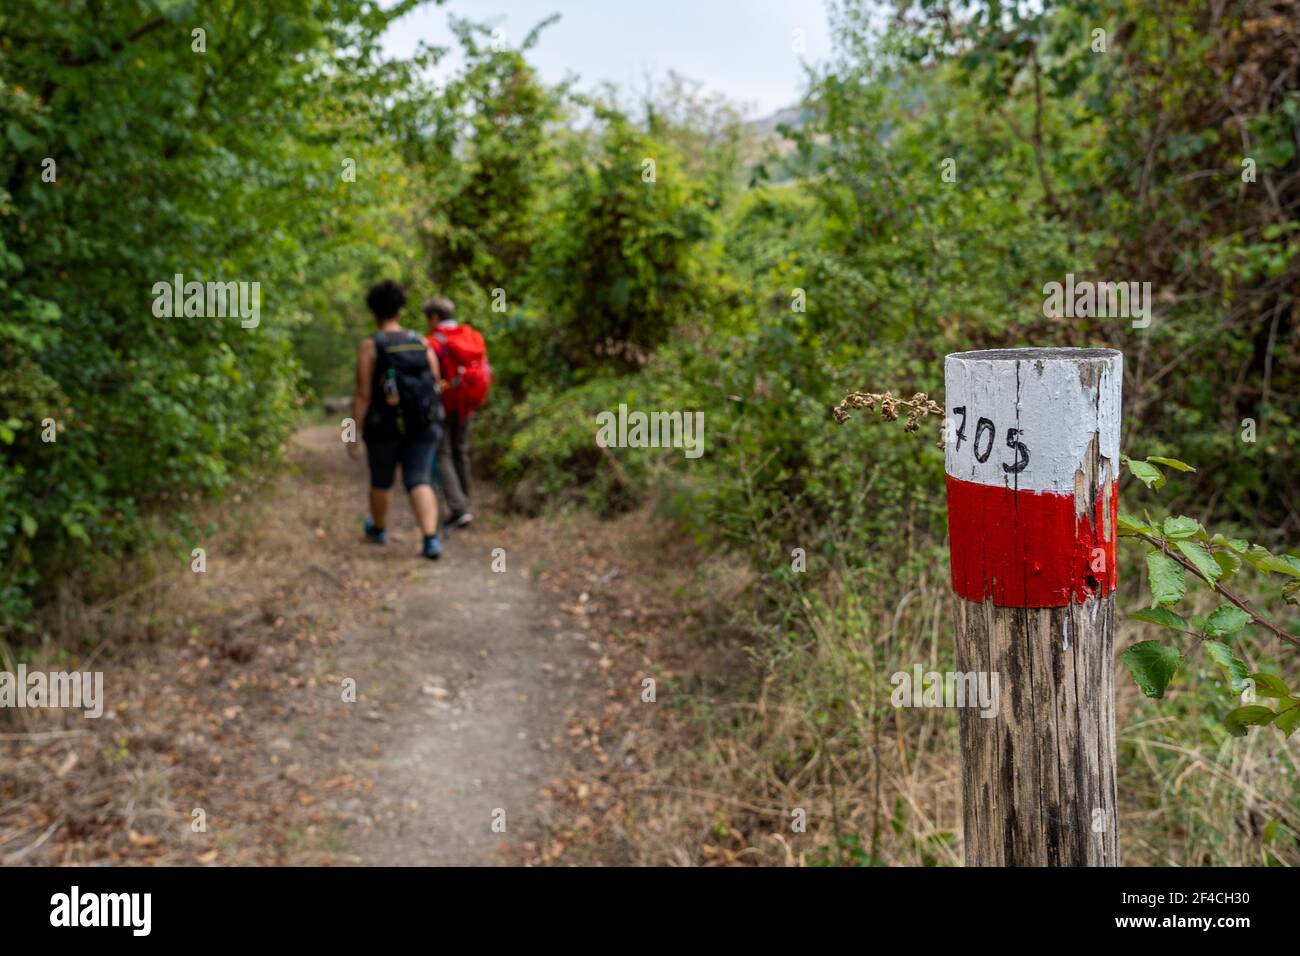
(410, 342)
(381, 348)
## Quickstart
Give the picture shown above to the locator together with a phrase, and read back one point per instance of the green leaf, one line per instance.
(75, 530)
(1228, 563)
(1173, 463)
(1256, 554)
(1252, 715)
(1239, 545)
(1167, 579)
(1288, 718)
(1149, 475)
(1159, 615)
(1291, 592)
(1270, 685)
(1226, 620)
(1153, 666)
(1221, 654)
(21, 139)
(1233, 668)
(29, 526)
(1281, 564)
(1201, 558)
(1181, 527)
(1128, 523)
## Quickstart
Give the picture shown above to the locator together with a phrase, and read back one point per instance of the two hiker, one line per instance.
(415, 398)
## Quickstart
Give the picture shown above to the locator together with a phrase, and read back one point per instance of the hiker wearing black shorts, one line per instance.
(398, 404)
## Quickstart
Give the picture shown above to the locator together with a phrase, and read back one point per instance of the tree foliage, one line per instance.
(136, 149)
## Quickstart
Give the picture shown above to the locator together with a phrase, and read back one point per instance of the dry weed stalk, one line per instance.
(920, 405)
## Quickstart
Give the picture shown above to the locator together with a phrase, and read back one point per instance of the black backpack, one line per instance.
(403, 395)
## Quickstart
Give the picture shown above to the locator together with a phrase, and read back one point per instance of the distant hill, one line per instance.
(764, 140)
(766, 127)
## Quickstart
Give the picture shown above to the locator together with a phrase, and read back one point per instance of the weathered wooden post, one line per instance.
(1032, 458)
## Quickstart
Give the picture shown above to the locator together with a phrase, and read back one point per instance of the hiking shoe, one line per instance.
(460, 520)
(432, 547)
(374, 535)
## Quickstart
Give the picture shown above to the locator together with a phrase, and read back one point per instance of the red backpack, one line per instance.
(465, 367)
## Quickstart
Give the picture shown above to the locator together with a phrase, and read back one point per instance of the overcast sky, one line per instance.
(741, 48)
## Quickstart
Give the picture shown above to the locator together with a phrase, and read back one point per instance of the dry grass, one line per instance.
(753, 723)
(193, 667)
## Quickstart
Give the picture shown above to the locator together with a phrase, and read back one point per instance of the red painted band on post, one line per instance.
(1029, 549)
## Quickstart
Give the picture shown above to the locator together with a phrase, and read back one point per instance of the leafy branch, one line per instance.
(1178, 545)
(1218, 586)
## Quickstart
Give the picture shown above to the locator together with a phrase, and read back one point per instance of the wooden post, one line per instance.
(1031, 444)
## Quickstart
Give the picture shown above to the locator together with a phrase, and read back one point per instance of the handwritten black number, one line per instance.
(982, 427)
(986, 430)
(1022, 453)
(961, 432)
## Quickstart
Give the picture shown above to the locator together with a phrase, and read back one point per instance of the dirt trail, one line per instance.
(466, 679)
(226, 698)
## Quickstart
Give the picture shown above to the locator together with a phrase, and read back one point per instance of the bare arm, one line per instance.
(433, 364)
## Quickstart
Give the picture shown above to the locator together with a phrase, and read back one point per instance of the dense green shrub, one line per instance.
(131, 155)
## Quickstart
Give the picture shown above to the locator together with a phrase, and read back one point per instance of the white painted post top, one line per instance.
(1024, 418)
